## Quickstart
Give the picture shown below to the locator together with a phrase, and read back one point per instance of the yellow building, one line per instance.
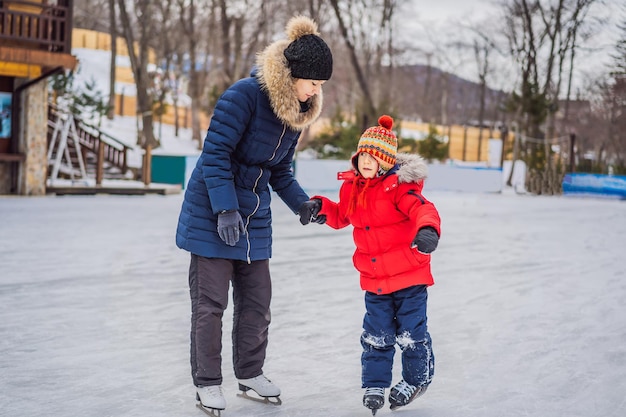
(466, 143)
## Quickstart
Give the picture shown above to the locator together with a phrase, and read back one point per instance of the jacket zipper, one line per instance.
(258, 203)
(280, 140)
(258, 199)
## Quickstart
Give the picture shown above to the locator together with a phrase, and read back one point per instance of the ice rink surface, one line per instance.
(527, 316)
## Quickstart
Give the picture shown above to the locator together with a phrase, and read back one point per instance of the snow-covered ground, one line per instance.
(527, 314)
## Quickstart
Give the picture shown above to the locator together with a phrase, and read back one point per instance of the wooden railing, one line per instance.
(113, 151)
(105, 147)
(44, 25)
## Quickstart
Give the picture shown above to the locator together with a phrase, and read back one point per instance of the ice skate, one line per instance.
(374, 399)
(211, 399)
(267, 392)
(403, 393)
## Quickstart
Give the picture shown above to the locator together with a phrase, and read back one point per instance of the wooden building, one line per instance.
(35, 44)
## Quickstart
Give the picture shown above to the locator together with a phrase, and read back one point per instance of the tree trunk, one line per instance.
(368, 102)
(140, 72)
(113, 66)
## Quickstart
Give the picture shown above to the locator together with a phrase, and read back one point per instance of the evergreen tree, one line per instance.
(89, 103)
(432, 147)
(339, 140)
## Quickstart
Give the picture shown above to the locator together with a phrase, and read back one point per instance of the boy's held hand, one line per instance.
(309, 210)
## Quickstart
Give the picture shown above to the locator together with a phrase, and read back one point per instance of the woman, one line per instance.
(225, 221)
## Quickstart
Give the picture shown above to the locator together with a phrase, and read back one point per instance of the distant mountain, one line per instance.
(418, 94)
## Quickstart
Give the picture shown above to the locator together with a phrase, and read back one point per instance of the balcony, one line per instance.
(37, 32)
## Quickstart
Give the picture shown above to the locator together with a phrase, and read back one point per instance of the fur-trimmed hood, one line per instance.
(411, 168)
(276, 80)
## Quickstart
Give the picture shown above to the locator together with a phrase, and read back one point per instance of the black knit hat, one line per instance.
(308, 56)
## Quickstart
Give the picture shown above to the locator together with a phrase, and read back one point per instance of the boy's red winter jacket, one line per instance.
(391, 211)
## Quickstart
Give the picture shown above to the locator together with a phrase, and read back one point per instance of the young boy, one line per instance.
(395, 230)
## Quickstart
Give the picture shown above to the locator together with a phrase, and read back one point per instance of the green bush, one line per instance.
(339, 140)
(433, 147)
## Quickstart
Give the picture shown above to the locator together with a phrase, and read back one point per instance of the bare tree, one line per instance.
(138, 51)
(112, 66)
(170, 53)
(573, 38)
(222, 38)
(541, 35)
(610, 108)
(241, 24)
(168, 36)
(446, 55)
(187, 15)
(483, 46)
(366, 28)
(88, 14)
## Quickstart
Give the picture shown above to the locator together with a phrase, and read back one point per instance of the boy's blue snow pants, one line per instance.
(399, 317)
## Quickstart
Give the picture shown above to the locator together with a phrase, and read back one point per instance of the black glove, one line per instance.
(426, 240)
(229, 225)
(308, 212)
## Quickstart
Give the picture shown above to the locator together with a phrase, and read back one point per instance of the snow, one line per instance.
(527, 313)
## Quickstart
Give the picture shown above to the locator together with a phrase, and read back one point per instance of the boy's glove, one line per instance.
(426, 240)
(229, 225)
(308, 212)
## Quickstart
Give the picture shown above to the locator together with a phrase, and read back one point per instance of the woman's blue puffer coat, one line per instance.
(247, 152)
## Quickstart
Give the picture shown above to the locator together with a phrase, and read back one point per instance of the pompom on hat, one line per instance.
(308, 56)
(380, 142)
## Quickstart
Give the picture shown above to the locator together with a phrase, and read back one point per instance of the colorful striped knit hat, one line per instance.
(380, 142)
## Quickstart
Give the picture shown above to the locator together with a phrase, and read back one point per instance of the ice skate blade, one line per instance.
(264, 400)
(373, 410)
(213, 412)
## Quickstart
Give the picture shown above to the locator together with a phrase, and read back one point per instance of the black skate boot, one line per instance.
(374, 399)
(403, 393)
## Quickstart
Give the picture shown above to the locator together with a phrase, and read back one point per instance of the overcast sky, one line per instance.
(436, 23)
(441, 10)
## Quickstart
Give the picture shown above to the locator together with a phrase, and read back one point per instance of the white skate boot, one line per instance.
(263, 387)
(211, 399)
